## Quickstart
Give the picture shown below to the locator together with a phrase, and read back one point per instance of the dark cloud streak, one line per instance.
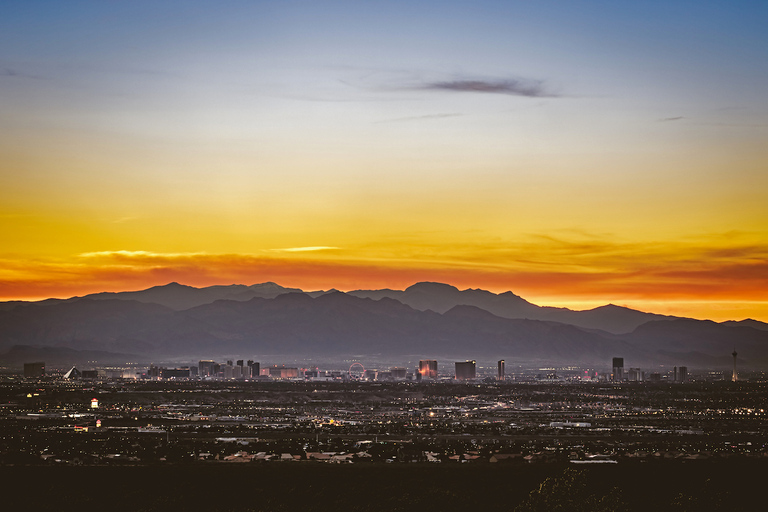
(10, 72)
(512, 87)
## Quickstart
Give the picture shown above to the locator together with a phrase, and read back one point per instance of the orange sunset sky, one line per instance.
(575, 153)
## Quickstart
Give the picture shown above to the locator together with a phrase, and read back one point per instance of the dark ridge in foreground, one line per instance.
(293, 486)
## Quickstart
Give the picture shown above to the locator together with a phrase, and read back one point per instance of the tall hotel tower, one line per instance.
(428, 369)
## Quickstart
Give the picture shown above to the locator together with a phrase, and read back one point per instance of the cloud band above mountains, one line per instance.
(569, 269)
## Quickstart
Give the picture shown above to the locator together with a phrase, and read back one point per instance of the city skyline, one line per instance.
(576, 154)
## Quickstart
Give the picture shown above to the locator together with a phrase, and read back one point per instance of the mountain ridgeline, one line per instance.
(424, 320)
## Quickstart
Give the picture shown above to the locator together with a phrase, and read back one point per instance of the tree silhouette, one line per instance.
(570, 492)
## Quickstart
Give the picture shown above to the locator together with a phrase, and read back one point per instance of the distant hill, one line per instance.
(178, 296)
(755, 324)
(423, 296)
(338, 323)
(440, 298)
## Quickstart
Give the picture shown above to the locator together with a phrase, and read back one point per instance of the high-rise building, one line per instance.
(618, 369)
(398, 373)
(428, 369)
(500, 370)
(735, 376)
(254, 369)
(34, 370)
(682, 374)
(282, 372)
(635, 375)
(465, 370)
(207, 368)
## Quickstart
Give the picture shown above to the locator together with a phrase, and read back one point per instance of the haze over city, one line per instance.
(575, 153)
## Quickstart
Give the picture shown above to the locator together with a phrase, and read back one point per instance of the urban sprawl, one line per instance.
(239, 411)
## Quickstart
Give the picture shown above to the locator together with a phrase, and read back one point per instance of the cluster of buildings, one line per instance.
(618, 374)
(427, 370)
(208, 369)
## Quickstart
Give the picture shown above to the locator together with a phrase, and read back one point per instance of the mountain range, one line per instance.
(426, 320)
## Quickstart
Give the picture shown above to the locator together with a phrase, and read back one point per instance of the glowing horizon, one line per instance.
(572, 154)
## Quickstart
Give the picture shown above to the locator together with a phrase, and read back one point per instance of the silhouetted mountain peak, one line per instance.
(747, 322)
(431, 287)
(172, 286)
(341, 323)
(270, 286)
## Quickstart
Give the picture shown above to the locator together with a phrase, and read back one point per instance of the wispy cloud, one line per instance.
(424, 80)
(140, 254)
(511, 86)
(667, 119)
(306, 249)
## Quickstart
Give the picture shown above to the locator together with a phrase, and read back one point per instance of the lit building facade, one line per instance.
(428, 369)
(282, 372)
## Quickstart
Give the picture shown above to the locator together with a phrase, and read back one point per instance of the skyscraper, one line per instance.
(618, 369)
(635, 375)
(206, 368)
(465, 370)
(398, 373)
(500, 370)
(428, 369)
(735, 376)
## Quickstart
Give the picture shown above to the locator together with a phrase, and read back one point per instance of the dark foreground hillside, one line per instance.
(698, 486)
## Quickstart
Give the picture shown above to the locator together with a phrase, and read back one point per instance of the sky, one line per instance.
(577, 153)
